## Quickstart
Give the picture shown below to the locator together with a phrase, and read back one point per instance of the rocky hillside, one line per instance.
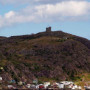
(51, 55)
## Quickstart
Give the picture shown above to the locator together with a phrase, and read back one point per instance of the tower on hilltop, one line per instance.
(48, 29)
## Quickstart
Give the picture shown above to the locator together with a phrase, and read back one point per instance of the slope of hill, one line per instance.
(47, 55)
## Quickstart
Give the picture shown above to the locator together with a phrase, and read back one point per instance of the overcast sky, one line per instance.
(18, 17)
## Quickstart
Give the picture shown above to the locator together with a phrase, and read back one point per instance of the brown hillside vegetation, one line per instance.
(49, 55)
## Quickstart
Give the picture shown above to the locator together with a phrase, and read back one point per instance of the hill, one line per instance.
(53, 55)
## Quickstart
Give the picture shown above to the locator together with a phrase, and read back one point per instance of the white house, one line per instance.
(33, 86)
(46, 84)
(67, 82)
(79, 87)
(28, 85)
(61, 85)
(0, 78)
(11, 87)
(87, 87)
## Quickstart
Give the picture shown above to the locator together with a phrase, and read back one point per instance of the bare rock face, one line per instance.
(55, 55)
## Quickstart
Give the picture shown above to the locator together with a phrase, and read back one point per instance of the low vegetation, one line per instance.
(48, 56)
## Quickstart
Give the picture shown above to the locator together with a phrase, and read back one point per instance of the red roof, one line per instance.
(41, 86)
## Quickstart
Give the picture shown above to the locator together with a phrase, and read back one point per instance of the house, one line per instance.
(69, 85)
(50, 87)
(46, 84)
(67, 82)
(1, 68)
(87, 87)
(55, 86)
(80, 88)
(37, 86)
(41, 86)
(61, 86)
(0, 78)
(32, 86)
(11, 87)
(20, 83)
(55, 83)
(35, 81)
(28, 85)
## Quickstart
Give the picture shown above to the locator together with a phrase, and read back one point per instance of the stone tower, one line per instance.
(48, 29)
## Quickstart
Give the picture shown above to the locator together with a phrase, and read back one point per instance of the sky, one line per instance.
(23, 17)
